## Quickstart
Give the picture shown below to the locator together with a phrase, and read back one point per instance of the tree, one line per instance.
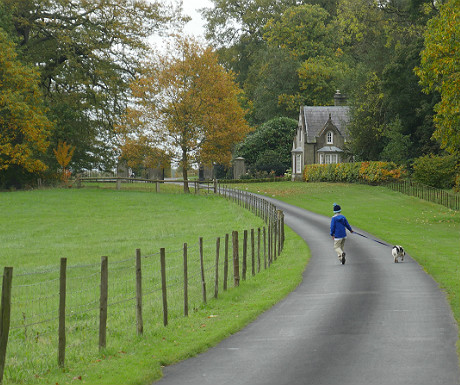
(272, 75)
(303, 30)
(270, 142)
(403, 97)
(367, 121)
(398, 145)
(188, 104)
(24, 128)
(64, 153)
(87, 53)
(305, 33)
(265, 71)
(439, 71)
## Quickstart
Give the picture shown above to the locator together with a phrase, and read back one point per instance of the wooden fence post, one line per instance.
(265, 247)
(163, 286)
(185, 281)
(5, 314)
(236, 259)
(282, 231)
(245, 253)
(269, 240)
(253, 262)
(258, 249)
(226, 262)
(216, 285)
(275, 235)
(140, 322)
(103, 303)
(203, 279)
(62, 298)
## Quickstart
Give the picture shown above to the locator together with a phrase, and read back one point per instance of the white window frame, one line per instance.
(330, 137)
(328, 158)
(298, 164)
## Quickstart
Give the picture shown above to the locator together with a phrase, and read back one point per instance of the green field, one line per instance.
(37, 228)
(40, 227)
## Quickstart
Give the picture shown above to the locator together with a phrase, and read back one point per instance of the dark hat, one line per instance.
(337, 208)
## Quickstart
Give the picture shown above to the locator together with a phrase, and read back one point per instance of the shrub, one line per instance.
(435, 171)
(369, 172)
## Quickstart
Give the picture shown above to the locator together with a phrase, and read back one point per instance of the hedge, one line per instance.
(367, 172)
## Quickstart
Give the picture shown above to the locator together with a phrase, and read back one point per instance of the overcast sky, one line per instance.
(195, 27)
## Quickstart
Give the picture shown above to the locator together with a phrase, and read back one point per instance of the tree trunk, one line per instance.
(185, 170)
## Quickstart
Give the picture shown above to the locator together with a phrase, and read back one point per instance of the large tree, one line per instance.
(439, 71)
(24, 128)
(188, 104)
(87, 53)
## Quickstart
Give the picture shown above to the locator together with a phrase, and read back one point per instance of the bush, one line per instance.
(269, 146)
(436, 171)
(369, 172)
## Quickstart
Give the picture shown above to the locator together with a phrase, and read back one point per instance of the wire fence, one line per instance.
(427, 193)
(59, 314)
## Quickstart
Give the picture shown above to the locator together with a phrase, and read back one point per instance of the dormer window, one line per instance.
(330, 137)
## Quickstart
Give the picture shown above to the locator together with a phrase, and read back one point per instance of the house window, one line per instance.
(330, 137)
(298, 164)
(331, 159)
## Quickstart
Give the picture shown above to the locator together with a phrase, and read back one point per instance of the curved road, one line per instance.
(368, 322)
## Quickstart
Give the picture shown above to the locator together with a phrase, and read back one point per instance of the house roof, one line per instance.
(315, 118)
(330, 149)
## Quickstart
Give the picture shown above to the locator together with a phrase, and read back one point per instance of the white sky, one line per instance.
(195, 26)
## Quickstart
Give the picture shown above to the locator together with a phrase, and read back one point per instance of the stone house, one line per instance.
(321, 135)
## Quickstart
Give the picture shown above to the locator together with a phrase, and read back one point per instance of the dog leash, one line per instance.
(375, 240)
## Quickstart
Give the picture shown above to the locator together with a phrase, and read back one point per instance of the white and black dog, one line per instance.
(398, 252)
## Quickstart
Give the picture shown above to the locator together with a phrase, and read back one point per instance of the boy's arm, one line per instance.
(347, 225)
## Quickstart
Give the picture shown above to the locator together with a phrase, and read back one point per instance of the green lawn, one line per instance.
(37, 228)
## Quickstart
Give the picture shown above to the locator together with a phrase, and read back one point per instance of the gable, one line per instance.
(329, 126)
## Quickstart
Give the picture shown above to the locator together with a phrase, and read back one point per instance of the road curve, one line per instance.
(368, 322)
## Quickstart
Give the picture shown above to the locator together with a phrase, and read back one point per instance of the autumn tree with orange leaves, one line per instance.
(187, 104)
(64, 153)
(24, 128)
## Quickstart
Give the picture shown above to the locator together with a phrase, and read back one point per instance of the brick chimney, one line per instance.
(340, 99)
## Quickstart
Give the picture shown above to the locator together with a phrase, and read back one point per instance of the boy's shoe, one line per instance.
(343, 258)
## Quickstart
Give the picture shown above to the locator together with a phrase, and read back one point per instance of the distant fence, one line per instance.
(60, 313)
(427, 193)
(196, 185)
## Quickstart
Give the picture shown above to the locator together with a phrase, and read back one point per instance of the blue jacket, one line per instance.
(338, 225)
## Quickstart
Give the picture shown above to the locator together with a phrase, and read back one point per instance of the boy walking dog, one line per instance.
(339, 224)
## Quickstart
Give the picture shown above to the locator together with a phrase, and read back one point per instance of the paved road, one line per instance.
(368, 322)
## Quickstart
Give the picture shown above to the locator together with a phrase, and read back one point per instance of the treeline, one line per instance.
(397, 61)
(67, 70)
